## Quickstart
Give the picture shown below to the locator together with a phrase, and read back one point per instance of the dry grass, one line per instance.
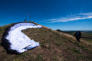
(53, 47)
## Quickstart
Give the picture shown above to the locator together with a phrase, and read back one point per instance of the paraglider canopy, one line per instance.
(17, 40)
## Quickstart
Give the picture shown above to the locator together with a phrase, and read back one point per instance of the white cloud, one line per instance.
(80, 16)
(88, 14)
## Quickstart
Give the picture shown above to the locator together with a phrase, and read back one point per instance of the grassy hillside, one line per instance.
(86, 35)
(54, 46)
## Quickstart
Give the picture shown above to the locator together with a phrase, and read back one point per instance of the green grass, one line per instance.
(75, 50)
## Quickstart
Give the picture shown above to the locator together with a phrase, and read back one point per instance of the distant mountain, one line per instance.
(59, 30)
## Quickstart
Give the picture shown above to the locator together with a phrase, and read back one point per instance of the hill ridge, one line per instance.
(54, 46)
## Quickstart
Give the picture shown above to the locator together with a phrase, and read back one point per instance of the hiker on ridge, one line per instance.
(78, 36)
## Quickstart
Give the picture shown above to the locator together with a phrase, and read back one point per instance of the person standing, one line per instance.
(78, 36)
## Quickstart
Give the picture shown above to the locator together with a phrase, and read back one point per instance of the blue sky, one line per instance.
(55, 14)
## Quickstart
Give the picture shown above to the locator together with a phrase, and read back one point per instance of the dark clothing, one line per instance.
(78, 36)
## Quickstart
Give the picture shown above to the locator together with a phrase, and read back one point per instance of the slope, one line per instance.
(54, 46)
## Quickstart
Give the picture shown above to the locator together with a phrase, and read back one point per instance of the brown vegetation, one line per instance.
(54, 46)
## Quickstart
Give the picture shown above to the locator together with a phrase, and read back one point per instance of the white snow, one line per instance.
(18, 40)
